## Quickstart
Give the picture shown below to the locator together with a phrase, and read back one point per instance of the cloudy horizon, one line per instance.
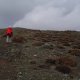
(41, 14)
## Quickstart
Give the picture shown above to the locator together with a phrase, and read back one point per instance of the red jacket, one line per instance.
(9, 31)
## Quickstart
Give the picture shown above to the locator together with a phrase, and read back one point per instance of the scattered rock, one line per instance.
(47, 46)
(35, 55)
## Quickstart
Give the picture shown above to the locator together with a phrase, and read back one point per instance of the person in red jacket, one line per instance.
(9, 34)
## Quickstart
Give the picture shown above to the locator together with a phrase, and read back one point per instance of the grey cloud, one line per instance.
(56, 14)
(15, 8)
(41, 14)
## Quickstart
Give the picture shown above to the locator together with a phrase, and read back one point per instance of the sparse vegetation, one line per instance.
(63, 69)
(67, 60)
(40, 55)
(19, 39)
(37, 43)
(75, 52)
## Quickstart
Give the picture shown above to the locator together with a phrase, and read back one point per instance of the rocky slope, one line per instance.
(40, 55)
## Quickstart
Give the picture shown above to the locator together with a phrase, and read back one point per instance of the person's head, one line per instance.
(9, 27)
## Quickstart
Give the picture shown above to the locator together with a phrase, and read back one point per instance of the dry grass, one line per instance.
(63, 69)
(37, 43)
(19, 39)
(75, 52)
(62, 60)
(68, 61)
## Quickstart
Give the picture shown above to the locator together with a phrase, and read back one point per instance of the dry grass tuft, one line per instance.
(63, 69)
(75, 52)
(19, 39)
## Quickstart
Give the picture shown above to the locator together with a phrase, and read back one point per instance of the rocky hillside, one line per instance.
(40, 55)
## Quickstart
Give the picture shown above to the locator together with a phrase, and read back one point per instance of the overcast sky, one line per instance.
(41, 14)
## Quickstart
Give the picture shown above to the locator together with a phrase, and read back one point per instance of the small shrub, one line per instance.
(3, 61)
(61, 60)
(66, 60)
(45, 40)
(66, 44)
(32, 62)
(76, 46)
(37, 43)
(44, 66)
(63, 69)
(60, 47)
(50, 61)
(19, 39)
(75, 52)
